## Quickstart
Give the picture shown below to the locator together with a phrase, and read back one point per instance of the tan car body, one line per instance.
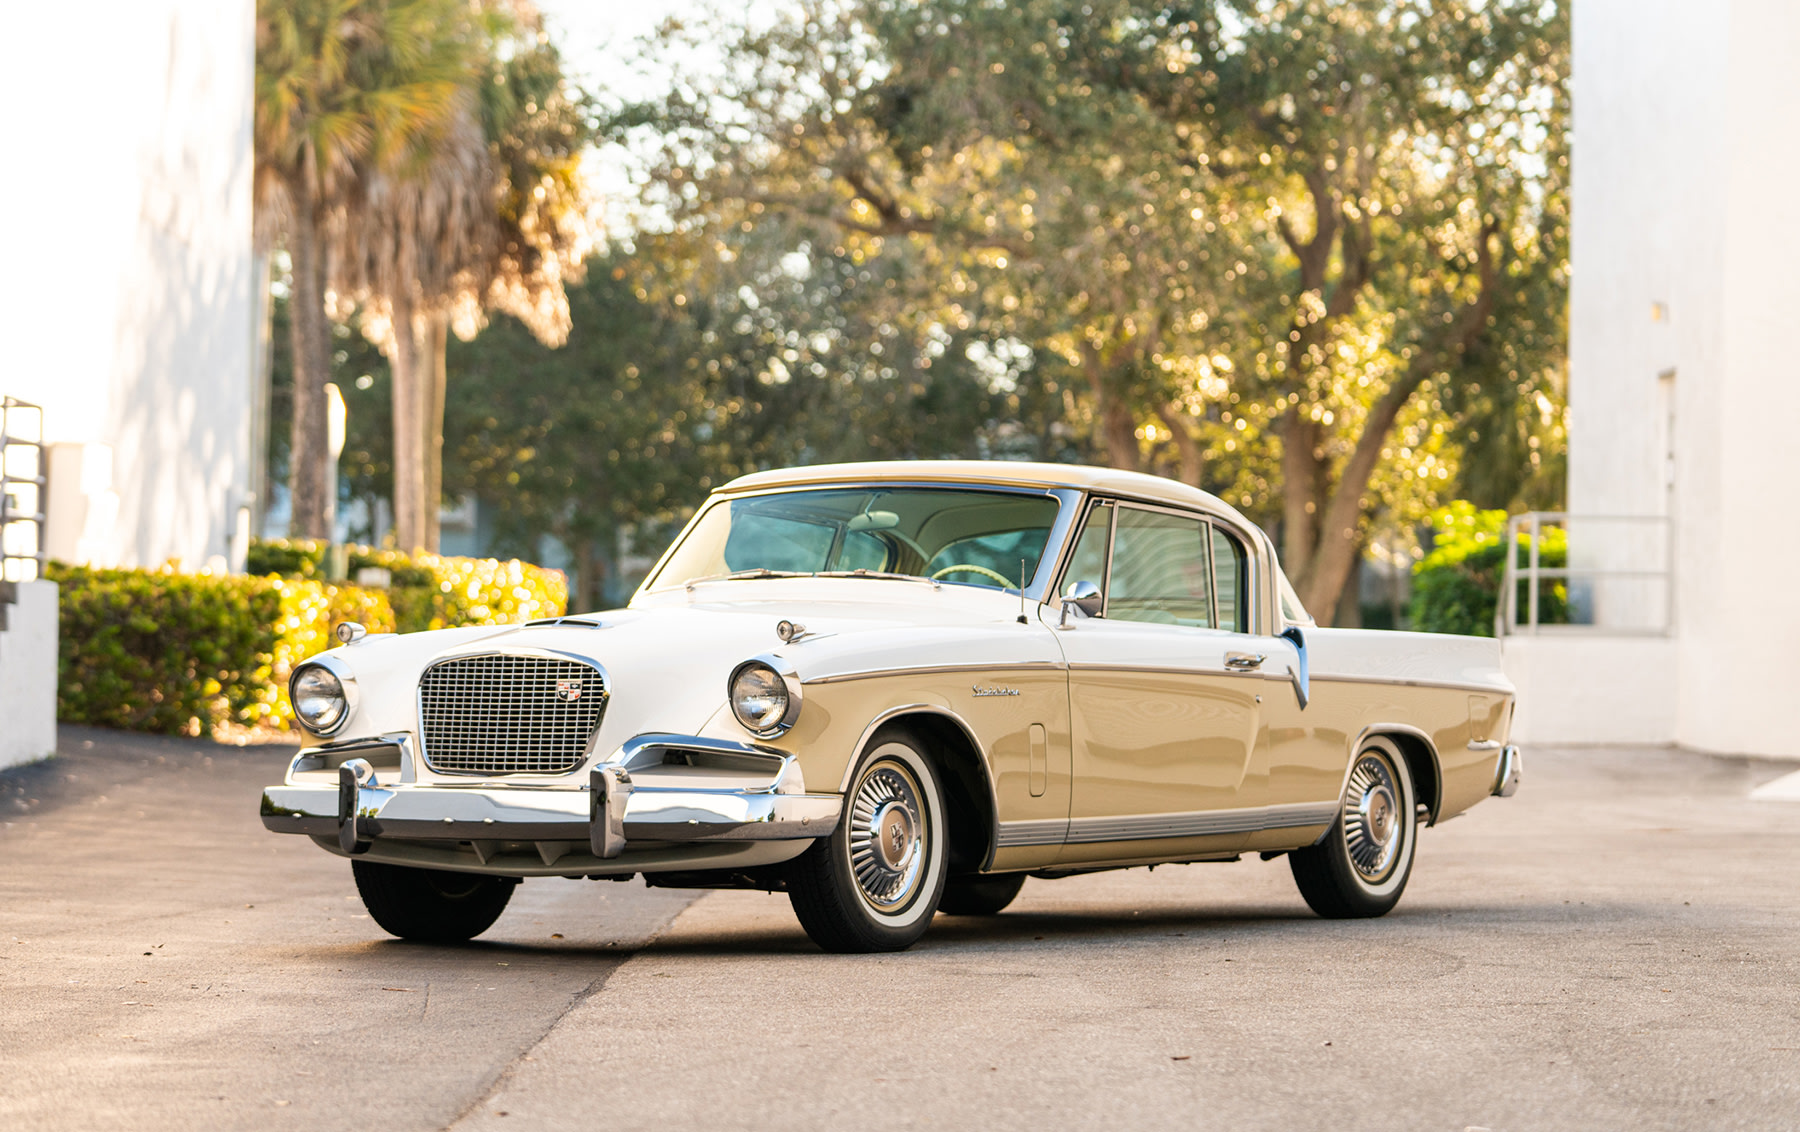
(1081, 742)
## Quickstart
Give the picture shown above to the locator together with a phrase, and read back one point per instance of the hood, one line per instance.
(666, 660)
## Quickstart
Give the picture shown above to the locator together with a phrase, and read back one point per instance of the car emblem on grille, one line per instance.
(568, 691)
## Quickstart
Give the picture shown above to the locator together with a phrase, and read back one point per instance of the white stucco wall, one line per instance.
(28, 675)
(127, 307)
(1683, 380)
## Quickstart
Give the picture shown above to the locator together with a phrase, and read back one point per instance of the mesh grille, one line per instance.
(508, 714)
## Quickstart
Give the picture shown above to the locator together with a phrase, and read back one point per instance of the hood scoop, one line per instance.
(567, 622)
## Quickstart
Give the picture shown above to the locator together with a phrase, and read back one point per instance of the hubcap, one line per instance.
(887, 836)
(1372, 817)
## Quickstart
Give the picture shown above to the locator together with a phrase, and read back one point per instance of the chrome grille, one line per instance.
(503, 714)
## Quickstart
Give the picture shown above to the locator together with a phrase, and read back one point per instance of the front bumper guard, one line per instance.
(712, 791)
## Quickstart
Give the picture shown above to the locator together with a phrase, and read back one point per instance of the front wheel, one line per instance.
(875, 882)
(1361, 867)
(431, 905)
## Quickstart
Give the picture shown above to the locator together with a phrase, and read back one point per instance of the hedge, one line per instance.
(430, 591)
(162, 651)
(184, 654)
(1456, 588)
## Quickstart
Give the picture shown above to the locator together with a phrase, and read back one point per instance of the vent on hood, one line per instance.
(570, 622)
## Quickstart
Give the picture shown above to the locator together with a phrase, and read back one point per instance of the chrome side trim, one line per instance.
(938, 669)
(1047, 831)
(1151, 827)
(1456, 685)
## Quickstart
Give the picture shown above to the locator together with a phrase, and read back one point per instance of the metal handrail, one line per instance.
(1529, 526)
(14, 566)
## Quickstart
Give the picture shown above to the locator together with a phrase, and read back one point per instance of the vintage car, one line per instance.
(897, 689)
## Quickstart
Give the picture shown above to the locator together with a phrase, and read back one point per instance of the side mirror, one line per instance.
(1085, 596)
(1297, 674)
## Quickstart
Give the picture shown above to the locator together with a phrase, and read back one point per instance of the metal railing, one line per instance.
(1575, 573)
(22, 490)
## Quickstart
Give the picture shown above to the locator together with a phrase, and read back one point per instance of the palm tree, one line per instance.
(499, 219)
(346, 91)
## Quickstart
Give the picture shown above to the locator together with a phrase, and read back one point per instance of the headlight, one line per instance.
(765, 700)
(319, 699)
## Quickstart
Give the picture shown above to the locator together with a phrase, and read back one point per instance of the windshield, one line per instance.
(964, 536)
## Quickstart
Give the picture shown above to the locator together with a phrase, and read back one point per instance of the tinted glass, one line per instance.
(967, 537)
(1231, 582)
(1159, 570)
(1088, 564)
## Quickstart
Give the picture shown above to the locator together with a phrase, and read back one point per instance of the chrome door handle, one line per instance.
(1244, 661)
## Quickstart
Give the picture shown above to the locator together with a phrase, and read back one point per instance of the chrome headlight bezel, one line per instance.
(764, 725)
(339, 672)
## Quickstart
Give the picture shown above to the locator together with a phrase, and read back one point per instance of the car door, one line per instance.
(1165, 688)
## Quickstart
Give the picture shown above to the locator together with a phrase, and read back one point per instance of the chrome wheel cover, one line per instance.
(1374, 819)
(889, 836)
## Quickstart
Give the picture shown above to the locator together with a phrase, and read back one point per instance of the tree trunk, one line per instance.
(436, 342)
(1118, 429)
(409, 428)
(585, 596)
(314, 512)
(1187, 449)
(1299, 495)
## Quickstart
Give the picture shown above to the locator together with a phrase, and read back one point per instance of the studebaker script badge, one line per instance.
(568, 691)
(991, 690)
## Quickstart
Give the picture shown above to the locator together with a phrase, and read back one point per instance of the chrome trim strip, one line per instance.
(1455, 685)
(1046, 831)
(1151, 827)
(938, 669)
(1167, 670)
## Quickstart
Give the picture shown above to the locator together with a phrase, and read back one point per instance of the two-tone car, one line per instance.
(893, 690)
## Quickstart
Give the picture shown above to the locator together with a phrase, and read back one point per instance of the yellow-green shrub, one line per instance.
(157, 650)
(431, 591)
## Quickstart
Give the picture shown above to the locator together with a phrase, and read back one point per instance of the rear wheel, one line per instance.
(430, 905)
(980, 896)
(1361, 867)
(874, 883)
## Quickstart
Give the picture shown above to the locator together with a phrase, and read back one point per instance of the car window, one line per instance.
(1231, 581)
(994, 554)
(1088, 563)
(920, 531)
(1159, 569)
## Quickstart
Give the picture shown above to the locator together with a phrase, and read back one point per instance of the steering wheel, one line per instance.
(983, 570)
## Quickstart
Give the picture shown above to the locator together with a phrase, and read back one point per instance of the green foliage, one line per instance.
(1456, 587)
(184, 654)
(429, 591)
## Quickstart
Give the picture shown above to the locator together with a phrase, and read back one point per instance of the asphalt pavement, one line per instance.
(1614, 947)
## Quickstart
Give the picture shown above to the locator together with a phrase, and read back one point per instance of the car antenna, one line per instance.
(1022, 620)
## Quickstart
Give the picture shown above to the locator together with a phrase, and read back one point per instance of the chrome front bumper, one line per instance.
(658, 789)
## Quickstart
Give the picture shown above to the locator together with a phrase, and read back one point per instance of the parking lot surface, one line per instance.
(1615, 947)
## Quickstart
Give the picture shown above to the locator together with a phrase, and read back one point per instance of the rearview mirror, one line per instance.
(874, 521)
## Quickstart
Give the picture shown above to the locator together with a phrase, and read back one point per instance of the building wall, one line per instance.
(28, 628)
(1683, 380)
(128, 313)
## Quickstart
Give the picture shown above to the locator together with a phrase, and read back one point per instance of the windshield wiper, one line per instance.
(758, 572)
(932, 582)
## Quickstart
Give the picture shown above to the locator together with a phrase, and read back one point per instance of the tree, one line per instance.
(344, 89)
(496, 218)
(1280, 246)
